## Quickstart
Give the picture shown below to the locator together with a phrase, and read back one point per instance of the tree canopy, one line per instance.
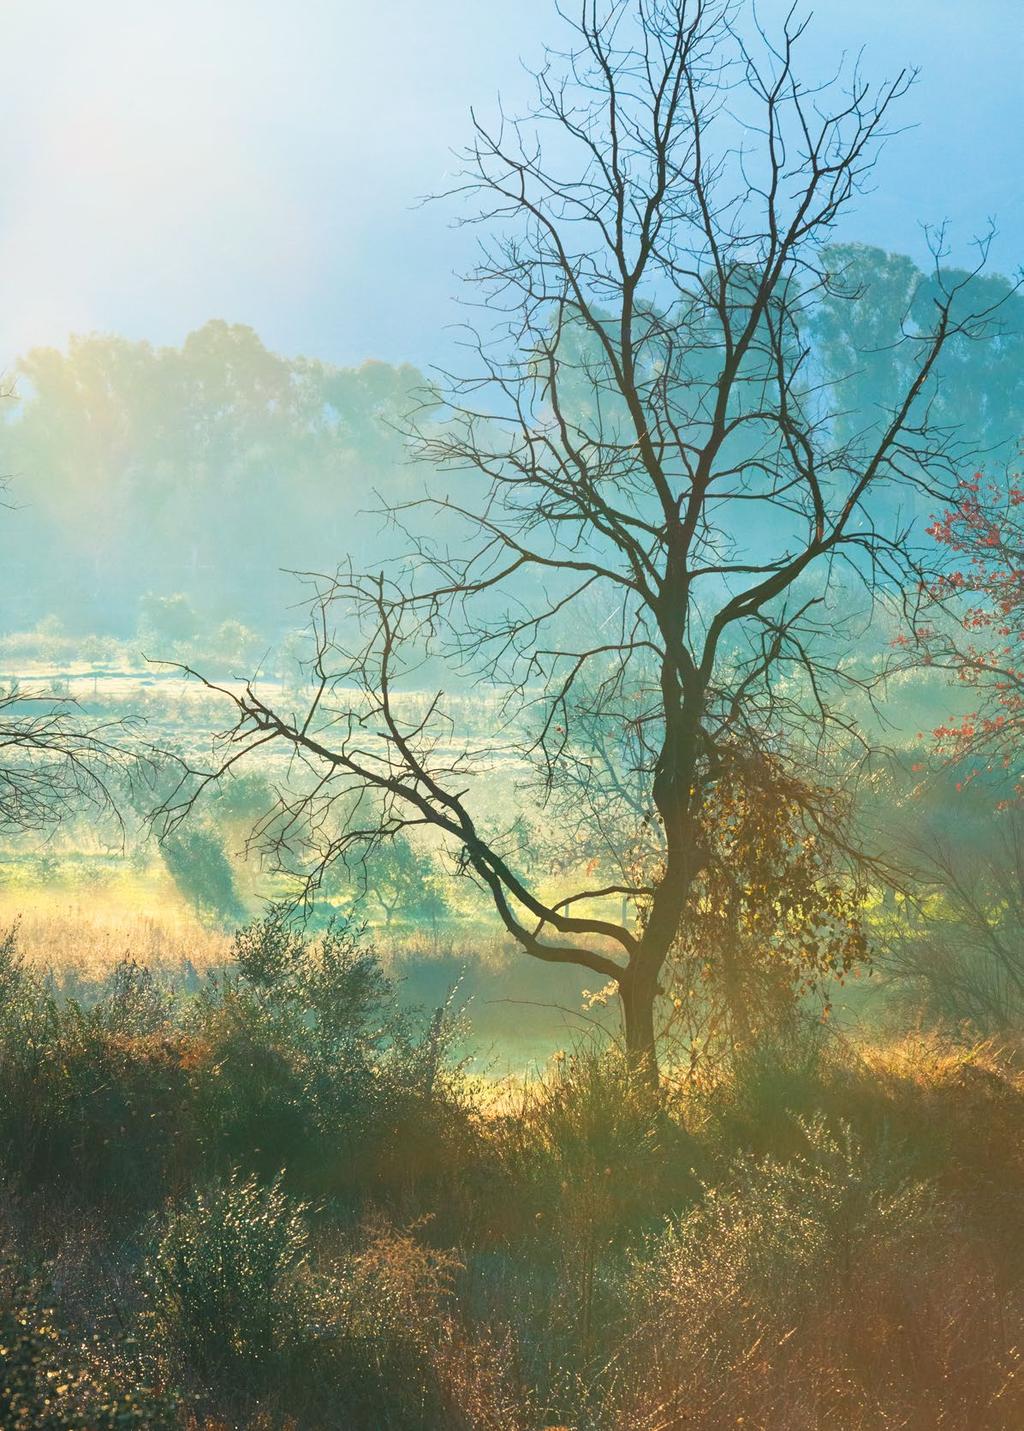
(194, 474)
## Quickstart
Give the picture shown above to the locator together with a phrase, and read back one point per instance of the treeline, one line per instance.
(169, 487)
(167, 491)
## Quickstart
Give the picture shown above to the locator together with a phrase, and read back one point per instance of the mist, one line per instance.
(511, 713)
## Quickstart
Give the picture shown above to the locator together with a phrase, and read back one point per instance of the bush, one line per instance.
(132, 1004)
(819, 1291)
(50, 1382)
(368, 1342)
(298, 1057)
(94, 1099)
(827, 1237)
(229, 1287)
(392, 1292)
(307, 1063)
(592, 1146)
(769, 1087)
(782, 1238)
(585, 1163)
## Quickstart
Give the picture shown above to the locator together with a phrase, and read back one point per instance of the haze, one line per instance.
(162, 165)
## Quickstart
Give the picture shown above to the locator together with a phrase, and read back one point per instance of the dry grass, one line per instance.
(85, 937)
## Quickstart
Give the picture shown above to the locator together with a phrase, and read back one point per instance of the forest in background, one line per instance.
(129, 466)
(369, 1215)
(126, 465)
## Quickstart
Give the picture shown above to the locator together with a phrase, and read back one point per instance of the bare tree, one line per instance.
(55, 763)
(957, 956)
(650, 528)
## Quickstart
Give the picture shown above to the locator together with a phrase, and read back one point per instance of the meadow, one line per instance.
(375, 1171)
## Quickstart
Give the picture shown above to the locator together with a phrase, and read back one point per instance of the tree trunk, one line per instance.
(638, 998)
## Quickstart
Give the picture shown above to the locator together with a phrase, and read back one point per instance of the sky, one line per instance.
(163, 164)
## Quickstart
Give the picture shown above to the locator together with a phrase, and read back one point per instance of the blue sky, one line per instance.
(164, 164)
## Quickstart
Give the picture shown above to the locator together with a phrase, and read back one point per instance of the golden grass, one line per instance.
(88, 934)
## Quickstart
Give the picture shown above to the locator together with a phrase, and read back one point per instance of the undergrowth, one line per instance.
(278, 1200)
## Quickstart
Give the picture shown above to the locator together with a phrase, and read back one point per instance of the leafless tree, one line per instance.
(649, 526)
(957, 954)
(55, 762)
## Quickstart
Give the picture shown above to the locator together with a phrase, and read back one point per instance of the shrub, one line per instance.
(308, 1063)
(769, 1087)
(51, 1382)
(368, 1342)
(783, 1237)
(94, 1099)
(591, 1145)
(392, 1292)
(132, 1004)
(297, 1057)
(404, 1357)
(587, 1161)
(229, 1287)
(819, 1291)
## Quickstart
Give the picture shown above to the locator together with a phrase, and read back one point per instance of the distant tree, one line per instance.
(167, 618)
(400, 880)
(198, 863)
(980, 387)
(646, 437)
(233, 644)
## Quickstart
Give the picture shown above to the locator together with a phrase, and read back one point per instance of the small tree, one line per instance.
(167, 618)
(652, 520)
(971, 624)
(198, 863)
(395, 878)
(399, 879)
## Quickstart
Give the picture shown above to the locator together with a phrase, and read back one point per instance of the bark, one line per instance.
(638, 998)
